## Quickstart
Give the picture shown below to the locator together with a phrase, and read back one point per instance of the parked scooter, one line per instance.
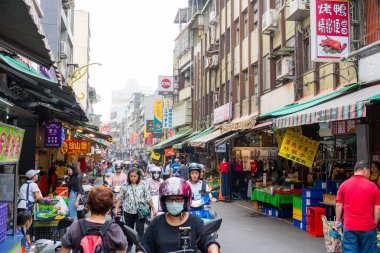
(53, 246)
(209, 228)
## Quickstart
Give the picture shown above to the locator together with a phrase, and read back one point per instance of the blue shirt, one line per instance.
(175, 167)
(110, 170)
(23, 240)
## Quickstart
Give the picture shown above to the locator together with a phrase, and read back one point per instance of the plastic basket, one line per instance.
(3, 220)
(282, 213)
(297, 214)
(297, 202)
(45, 218)
(297, 224)
(314, 221)
(311, 202)
(312, 193)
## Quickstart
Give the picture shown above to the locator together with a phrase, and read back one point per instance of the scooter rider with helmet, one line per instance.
(198, 186)
(162, 233)
(153, 184)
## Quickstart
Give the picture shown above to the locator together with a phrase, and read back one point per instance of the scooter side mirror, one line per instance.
(131, 233)
(211, 226)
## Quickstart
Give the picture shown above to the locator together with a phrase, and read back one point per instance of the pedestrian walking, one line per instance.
(359, 201)
(100, 201)
(136, 202)
(74, 185)
(174, 167)
(182, 171)
(166, 170)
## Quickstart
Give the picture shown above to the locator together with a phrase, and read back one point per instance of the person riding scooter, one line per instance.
(154, 183)
(198, 186)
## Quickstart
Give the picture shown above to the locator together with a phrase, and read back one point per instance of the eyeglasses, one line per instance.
(178, 199)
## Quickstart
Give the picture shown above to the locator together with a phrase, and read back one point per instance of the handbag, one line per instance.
(143, 209)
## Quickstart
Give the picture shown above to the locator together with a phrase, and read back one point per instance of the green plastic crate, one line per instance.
(297, 202)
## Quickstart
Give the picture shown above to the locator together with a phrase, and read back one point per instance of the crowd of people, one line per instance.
(134, 194)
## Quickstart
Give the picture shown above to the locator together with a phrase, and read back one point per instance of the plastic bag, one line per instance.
(61, 206)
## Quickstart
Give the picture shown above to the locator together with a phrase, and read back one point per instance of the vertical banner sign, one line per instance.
(157, 130)
(10, 143)
(53, 135)
(330, 30)
(298, 148)
(165, 85)
(168, 112)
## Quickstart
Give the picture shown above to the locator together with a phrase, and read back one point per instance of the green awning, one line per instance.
(85, 125)
(376, 97)
(172, 140)
(24, 69)
(304, 105)
(193, 136)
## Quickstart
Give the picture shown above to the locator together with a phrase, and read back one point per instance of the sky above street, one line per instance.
(132, 39)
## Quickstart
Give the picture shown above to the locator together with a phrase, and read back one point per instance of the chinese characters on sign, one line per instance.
(330, 29)
(345, 126)
(280, 133)
(53, 135)
(168, 112)
(298, 148)
(76, 147)
(10, 143)
(158, 116)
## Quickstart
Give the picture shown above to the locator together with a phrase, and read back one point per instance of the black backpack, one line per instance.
(92, 238)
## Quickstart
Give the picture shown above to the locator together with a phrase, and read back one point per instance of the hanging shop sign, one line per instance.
(54, 135)
(155, 156)
(329, 29)
(76, 147)
(169, 152)
(168, 112)
(10, 143)
(244, 124)
(222, 148)
(157, 129)
(222, 113)
(105, 129)
(280, 133)
(165, 85)
(150, 126)
(344, 126)
(298, 148)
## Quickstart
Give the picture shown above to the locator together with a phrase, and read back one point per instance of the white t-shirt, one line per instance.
(196, 188)
(33, 187)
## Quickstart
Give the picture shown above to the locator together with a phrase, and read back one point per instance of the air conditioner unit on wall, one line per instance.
(298, 10)
(284, 67)
(214, 61)
(187, 74)
(216, 96)
(64, 50)
(270, 21)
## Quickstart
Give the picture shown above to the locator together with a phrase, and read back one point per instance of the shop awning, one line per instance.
(201, 142)
(172, 140)
(350, 106)
(92, 140)
(376, 97)
(263, 125)
(302, 106)
(193, 136)
(227, 138)
(21, 31)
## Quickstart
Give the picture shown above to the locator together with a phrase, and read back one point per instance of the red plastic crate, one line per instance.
(314, 221)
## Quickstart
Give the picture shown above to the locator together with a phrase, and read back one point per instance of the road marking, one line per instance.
(252, 209)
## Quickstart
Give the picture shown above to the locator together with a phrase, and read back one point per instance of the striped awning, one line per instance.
(350, 106)
(201, 142)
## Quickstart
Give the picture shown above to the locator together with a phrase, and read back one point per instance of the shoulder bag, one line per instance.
(143, 209)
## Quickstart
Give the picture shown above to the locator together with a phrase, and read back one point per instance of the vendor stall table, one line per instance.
(45, 229)
(263, 195)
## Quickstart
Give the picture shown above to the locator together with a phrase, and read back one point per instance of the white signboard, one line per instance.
(222, 113)
(165, 85)
(222, 148)
(329, 29)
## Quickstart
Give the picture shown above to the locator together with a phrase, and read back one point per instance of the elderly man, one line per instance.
(360, 200)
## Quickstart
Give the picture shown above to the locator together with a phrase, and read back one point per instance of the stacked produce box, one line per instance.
(297, 212)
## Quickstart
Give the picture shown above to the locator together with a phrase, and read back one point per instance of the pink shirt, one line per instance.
(359, 197)
(117, 180)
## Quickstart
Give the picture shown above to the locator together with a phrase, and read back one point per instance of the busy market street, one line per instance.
(189, 126)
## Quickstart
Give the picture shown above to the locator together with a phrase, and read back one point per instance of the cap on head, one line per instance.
(31, 173)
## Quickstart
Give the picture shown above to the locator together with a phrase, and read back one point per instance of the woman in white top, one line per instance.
(29, 192)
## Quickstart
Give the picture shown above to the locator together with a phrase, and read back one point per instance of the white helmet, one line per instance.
(155, 172)
(155, 169)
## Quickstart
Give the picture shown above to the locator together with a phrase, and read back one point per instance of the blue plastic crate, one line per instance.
(297, 224)
(293, 185)
(333, 185)
(312, 193)
(311, 202)
(282, 213)
(320, 184)
(304, 225)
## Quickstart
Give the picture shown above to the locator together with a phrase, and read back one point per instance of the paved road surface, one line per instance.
(245, 230)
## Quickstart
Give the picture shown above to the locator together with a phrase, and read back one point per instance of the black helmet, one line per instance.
(195, 166)
(118, 166)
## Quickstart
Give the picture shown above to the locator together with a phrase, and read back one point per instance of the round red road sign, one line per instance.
(166, 83)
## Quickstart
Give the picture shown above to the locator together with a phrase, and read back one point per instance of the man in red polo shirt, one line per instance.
(359, 198)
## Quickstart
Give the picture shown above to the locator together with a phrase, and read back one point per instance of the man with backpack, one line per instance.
(95, 234)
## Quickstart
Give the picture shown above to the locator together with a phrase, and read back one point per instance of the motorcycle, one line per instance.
(210, 227)
(51, 246)
(115, 191)
(201, 205)
(82, 209)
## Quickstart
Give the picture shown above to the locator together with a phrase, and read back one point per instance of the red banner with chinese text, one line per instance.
(76, 147)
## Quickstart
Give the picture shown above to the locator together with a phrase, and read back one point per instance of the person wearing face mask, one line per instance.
(134, 194)
(198, 186)
(161, 235)
(154, 183)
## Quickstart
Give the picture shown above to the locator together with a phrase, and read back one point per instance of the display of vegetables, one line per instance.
(49, 214)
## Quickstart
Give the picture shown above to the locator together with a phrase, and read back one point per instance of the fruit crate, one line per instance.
(314, 221)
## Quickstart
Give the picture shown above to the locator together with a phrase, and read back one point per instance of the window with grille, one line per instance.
(245, 15)
(307, 50)
(255, 14)
(246, 84)
(266, 73)
(237, 24)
